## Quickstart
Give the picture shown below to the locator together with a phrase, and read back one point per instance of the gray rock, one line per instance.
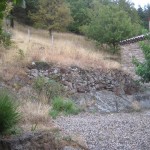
(55, 71)
(34, 72)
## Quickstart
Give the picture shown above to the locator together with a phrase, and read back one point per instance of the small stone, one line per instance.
(34, 72)
(55, 71)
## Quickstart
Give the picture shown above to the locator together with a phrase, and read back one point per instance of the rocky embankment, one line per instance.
(77, 80)
(95, 90)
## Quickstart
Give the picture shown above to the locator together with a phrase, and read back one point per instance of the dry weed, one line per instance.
(136, 106)
(66, 49)
(35, 113)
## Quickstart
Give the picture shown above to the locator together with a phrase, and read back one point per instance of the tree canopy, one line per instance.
(144, 14)
(109, 24)
(52, 15)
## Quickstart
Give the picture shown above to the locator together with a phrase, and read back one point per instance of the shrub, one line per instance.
(5, 38)
(54, 113)
(59, 105)
(39, 83)
(50, 87)
(9, 115)
(70, 108)
(53, 89)
(21, 54)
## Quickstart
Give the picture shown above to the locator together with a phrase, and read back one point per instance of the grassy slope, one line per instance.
(67, 49)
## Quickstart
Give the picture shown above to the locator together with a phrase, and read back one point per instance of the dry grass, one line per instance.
(35, 114)
(67, 49)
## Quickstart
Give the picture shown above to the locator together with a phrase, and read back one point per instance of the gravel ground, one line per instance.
(122, 131)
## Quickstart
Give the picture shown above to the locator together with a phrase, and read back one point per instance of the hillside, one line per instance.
(101, 84)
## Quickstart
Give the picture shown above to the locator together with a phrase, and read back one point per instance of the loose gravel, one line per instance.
(122, 131)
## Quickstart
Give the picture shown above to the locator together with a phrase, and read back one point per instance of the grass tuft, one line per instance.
(59, 105)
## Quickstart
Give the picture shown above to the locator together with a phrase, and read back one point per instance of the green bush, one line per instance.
(54, 114)
(21, 54)
(59, 105)
(5, 38)
(53, 89)
(143, 68)
(9, 115)
(39, 84)
(49, 87)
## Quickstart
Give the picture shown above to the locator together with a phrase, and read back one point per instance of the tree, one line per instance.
(3, 6)
(2, 9)
(109, 24)
(52, 15)
(79, 12)
(144, 14)
(22, 15)
(131, 11)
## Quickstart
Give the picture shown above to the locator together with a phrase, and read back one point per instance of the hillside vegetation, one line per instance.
(62, 57)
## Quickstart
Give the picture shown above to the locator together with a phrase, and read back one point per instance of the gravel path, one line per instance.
(123, 131)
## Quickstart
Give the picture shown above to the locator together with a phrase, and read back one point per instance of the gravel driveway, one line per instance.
(122, 131)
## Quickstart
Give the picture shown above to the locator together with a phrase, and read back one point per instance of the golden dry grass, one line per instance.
(67, 49)
(35, 114)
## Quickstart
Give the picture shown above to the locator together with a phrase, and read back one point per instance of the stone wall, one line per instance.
(77, 80)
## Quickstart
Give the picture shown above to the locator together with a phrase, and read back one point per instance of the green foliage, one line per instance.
(39, 84)
(143, 68)
(50, 87)
(109, 25)
(52, 15)
(128, 7)
(9, 115)
(58, 104)
(22, 15)
(54, 113)
(144, 14)
(79, 12)
(33, 128)
(21, 54)
(65, 106)
(5, 38)
(2, 9)
(53, 89)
